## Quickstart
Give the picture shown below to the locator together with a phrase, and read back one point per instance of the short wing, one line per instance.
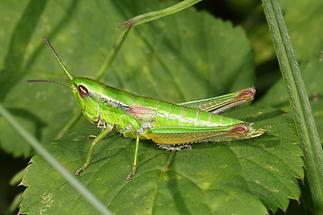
(141, 113)
(222, 103)
(183, 135)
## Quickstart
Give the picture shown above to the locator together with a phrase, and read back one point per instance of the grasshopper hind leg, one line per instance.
(179, 135)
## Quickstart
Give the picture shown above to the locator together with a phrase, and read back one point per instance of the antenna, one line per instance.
(48, 81)
(57, 58)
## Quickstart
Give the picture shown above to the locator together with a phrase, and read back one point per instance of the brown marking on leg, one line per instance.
(247, 94)
(240, 130)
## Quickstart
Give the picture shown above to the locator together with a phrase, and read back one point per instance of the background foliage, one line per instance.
(191, 55)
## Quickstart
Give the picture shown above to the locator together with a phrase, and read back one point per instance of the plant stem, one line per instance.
(301, 109)
(113, 53)
(87, 195)
(137, 20)
(150, 16)
(71, 122)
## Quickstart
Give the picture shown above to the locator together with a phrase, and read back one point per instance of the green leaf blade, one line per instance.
(187, 56)
(210, 178)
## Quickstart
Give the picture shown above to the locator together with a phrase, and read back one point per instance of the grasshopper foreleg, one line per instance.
(97, 139)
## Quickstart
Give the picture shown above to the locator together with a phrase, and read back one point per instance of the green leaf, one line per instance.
(186, 56)
(183, 57)
(242, 177)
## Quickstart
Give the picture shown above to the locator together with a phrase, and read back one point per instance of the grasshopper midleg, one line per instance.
(166, 124)
(134, 164)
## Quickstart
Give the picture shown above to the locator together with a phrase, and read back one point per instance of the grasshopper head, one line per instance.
(85, 92)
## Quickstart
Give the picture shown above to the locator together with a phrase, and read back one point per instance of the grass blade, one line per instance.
(87, 195)
(301, 109)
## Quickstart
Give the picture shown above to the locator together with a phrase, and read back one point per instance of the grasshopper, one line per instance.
(171, 126)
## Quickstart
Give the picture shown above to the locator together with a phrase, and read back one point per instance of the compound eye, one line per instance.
(83, 91)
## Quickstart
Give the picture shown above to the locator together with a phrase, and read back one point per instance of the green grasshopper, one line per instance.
(171, 126)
